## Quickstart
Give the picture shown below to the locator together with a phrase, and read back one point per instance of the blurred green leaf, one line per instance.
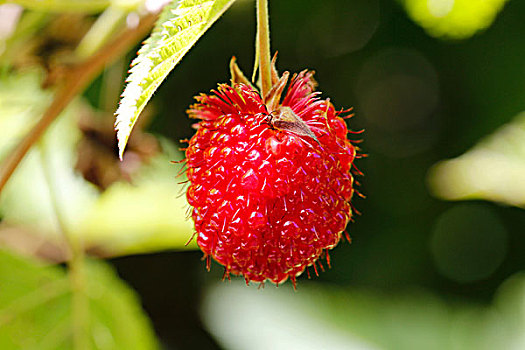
(179, 27)
(101, 31)
(493, 170)
(143, 216)
(146, 216)
(21, 100)
(326, 317)
(35, 308)
(25, 200)
(25, 27)
(453, 19)
(62, 5)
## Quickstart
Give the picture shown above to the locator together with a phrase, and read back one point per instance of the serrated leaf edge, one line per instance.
(135, 96)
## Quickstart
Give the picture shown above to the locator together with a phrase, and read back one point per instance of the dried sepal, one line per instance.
(237, 75)
(273, 98)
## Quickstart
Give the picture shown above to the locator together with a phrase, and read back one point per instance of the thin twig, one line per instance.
(76, 81)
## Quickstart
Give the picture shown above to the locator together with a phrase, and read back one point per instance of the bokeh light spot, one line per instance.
(468, 243)
(493, 169)
(351, 26)
(398, 95)
(453, 19)
(440, 8)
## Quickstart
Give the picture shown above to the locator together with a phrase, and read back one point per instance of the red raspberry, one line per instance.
(270, 183)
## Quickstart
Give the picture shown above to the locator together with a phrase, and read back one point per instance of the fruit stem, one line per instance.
(263, 44)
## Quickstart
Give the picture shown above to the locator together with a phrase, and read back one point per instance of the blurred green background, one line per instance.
(437, 255)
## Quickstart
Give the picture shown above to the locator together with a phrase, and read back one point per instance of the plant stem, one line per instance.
(263, 44)
(104, 28)
(79, 300)
(77, 278)
(76, 81)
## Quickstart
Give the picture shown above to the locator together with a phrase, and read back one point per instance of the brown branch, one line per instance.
(76, 80)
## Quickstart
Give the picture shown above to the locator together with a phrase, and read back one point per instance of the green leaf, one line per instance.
(493, 170)
(35, 308)
(179, 27)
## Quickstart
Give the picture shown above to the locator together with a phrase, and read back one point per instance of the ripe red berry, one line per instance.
(270, 183)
